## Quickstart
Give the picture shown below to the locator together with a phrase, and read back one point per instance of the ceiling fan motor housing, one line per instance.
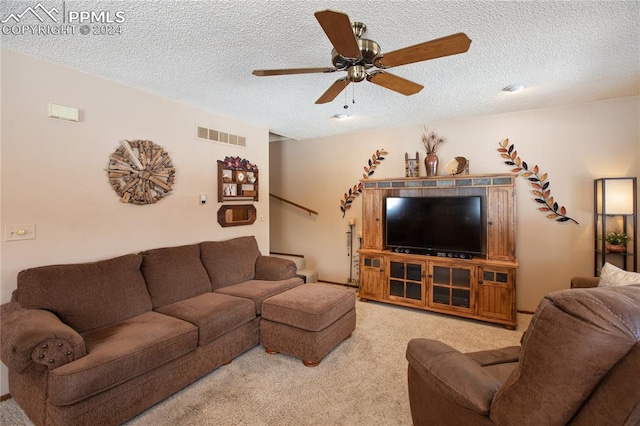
(368, 48)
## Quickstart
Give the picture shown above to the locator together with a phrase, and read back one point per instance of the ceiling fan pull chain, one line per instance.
(345, 95)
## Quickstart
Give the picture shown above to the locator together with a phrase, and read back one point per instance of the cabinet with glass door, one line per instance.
(406, 280)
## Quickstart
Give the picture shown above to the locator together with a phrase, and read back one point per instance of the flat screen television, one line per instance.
(445, 226)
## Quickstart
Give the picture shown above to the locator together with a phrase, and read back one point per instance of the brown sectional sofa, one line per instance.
(98, 343)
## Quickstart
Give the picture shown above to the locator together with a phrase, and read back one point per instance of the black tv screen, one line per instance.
(438, 224)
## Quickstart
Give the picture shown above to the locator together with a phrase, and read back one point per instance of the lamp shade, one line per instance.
(618, 196)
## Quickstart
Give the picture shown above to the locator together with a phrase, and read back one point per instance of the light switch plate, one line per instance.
(19, 232)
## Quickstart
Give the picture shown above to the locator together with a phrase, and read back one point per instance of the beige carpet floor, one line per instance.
(362, 382)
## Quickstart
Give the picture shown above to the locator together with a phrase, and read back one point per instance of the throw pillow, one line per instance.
(612, 276)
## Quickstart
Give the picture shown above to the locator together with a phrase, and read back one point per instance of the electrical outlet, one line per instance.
(19, 232)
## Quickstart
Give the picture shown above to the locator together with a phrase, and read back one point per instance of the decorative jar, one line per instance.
(431, 164)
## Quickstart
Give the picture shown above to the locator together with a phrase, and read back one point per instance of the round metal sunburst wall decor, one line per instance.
(141, 172)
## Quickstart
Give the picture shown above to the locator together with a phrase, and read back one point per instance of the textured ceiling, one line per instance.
(202, 53)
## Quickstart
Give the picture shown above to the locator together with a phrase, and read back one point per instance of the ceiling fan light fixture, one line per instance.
(356, 73)
(513, 88)
(341, 116)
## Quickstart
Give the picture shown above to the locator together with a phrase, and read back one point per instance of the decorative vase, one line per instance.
(615, 248)
(431, 164)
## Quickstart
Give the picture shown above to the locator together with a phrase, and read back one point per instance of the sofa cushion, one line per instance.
(501, 371)
(87, 295)
(174, 273)
(230, 262)
(500, 363)
(214, 314)
(258, 290)
(496, 356)
(119, 352)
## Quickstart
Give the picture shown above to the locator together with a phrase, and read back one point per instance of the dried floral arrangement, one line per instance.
(539, 182)
(431, 141)
(349, 196)
(237, 163)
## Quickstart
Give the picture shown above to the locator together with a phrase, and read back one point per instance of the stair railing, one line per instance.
(308, 210)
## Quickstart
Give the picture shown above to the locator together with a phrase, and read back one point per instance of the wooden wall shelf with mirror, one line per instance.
(479, 285)
(236, 215)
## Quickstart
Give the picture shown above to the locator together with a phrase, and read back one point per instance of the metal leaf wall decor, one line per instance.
(350, 195)
(539, 182)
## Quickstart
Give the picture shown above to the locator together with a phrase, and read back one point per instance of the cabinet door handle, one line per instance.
(490, 222)
(381, 270)
(480, 282)
(377, 219)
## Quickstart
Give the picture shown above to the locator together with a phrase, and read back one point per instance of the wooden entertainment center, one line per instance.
(481, 287)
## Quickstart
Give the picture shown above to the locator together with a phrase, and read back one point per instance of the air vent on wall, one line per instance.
(212, 135)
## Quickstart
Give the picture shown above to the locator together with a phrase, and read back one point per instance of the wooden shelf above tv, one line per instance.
(482, 287)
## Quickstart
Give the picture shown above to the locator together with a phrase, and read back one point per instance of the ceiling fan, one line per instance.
(357, 56)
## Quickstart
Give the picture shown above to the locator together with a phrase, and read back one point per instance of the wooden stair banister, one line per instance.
(277, 253)
(294, 204)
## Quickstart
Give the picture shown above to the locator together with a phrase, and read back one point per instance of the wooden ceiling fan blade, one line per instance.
(337, 27)
(395, 83)
(445, 46)
(333, 91)
(287, 71)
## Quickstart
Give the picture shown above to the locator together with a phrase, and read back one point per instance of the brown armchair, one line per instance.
(579, 364)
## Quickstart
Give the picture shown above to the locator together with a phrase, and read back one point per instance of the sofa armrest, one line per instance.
(274, 268)
(584, 282)
(452, 374)
(32, 337)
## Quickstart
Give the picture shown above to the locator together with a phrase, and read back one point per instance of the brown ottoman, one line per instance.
(308, 321)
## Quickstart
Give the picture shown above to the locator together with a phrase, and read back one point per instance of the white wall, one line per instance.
(53, 171)
(573, 144)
